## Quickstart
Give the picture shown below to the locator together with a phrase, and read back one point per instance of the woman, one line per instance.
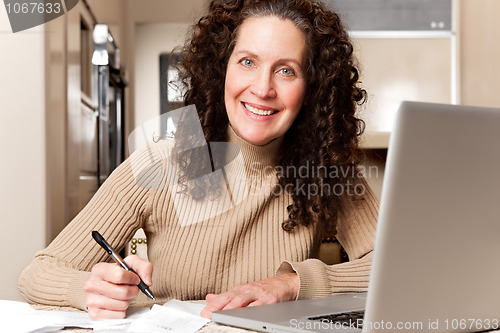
(277, 79)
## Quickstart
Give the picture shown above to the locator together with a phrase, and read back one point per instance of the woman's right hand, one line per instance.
(110, 289)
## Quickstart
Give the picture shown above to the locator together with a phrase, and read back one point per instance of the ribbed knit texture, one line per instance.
(194, 250)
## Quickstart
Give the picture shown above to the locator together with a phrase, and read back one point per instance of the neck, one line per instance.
(258, 161)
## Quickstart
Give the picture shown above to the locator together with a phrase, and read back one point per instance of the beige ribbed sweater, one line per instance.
(194, 253)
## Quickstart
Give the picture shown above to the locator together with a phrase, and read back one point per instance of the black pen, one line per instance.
(101, 241)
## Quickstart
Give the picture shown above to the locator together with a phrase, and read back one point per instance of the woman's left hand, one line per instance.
(273, 290)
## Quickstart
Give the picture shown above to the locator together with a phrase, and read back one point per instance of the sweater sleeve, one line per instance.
(57, 274)
(356, 233)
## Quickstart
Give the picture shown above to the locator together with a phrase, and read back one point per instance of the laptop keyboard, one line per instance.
(352, 318)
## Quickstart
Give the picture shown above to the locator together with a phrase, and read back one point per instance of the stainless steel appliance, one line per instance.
(110, 93)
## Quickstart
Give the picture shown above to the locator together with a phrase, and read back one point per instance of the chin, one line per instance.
(255, 138)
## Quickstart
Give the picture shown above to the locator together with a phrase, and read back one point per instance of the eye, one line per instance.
(246, 62)
(287, 71)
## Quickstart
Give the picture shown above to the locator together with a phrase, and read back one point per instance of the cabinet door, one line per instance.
(398, 69)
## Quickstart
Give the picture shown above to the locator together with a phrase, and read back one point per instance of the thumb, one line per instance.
(142, 267)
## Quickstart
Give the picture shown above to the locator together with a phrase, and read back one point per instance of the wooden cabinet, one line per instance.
(458, 67)
(479, 51)
(398, 68)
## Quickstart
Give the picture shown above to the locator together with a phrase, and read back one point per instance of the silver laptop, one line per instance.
(436, 265)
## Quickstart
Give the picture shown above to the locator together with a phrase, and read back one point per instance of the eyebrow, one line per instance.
(251, 54)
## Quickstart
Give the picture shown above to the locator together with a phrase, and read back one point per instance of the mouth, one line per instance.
(259, 111)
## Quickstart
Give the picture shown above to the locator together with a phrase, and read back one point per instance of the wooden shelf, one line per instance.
(375, 140)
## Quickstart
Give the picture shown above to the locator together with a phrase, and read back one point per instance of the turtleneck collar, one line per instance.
(259, 161)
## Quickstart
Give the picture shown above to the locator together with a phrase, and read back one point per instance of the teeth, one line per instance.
(258, 111)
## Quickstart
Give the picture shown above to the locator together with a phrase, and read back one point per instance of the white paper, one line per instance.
(119, 325)
(174, 316)
(20, 317)
(167, 319)
(188, 307)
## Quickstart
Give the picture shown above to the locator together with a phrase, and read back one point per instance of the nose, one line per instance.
(263, 86)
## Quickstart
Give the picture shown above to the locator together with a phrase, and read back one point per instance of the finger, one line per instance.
(100, 314)
(96, 284)
(239, 301)
(206, 313)
(261, 301)
(267, 298)
(121, 292)
(95, 301)
(217, 303)
(115, 274)
(142, 267)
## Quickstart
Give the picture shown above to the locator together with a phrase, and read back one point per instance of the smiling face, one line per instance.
(265, 79)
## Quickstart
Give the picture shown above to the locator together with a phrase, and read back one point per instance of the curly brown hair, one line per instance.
(325, 133)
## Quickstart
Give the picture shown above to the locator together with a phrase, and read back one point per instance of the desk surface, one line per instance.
(210, 327)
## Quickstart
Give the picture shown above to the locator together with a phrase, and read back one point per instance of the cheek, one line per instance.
(233, 85)
(229, 96)
(295, 97)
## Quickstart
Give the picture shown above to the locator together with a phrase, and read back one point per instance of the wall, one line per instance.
(56, 92)
(22, 138)
(151, 41)
(479, 52)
